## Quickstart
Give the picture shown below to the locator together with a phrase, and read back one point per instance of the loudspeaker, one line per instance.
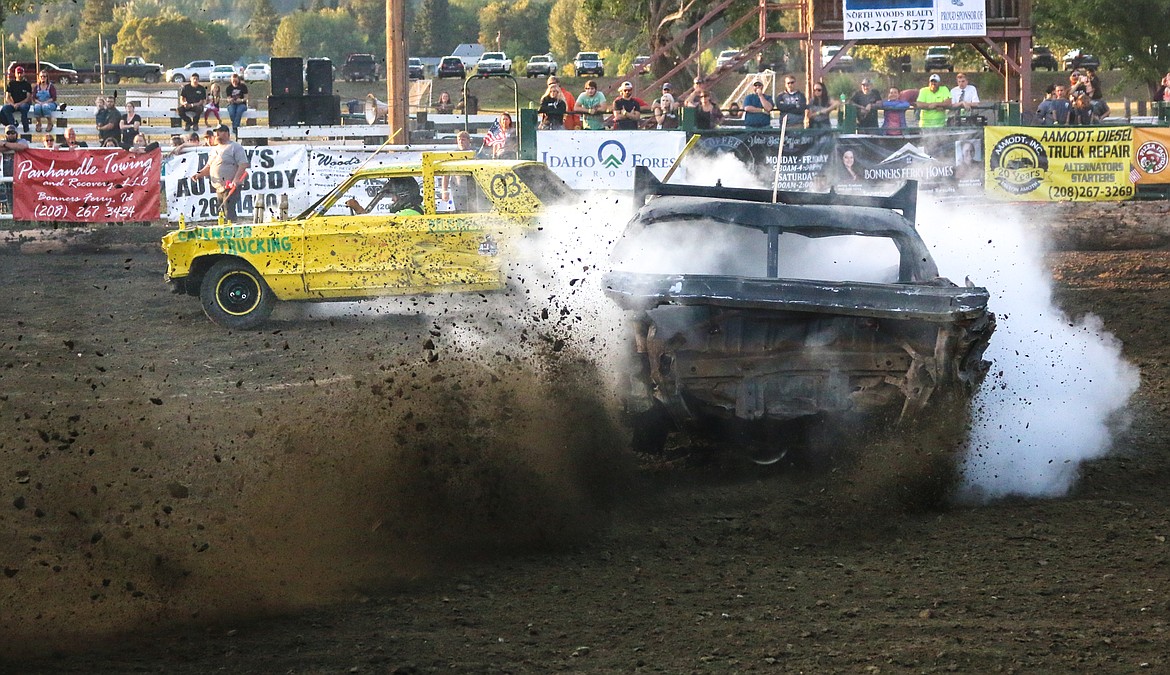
(319, 73)
(288, 78)
(322, 110)
(286, 111)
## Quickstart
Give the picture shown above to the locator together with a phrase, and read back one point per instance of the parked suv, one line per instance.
(541, 64)
(415, 68)
(939, 58)
(1042, 57)
(727, 56)
(56, 73)
(360, 67)
(451, 66)
(589, 63)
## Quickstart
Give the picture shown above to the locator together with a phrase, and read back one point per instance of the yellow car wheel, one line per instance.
(235, 296)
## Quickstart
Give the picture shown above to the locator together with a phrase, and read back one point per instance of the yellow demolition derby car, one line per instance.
(441, 225)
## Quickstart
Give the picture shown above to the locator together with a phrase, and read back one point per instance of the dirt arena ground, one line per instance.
(375, 493)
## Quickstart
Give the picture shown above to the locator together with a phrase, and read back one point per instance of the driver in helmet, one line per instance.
(403, 192)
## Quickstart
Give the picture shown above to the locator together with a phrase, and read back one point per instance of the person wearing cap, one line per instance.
(591, 106)
(226, 169)
(571, 121)
(757, 106)
(698, 89)
(626, 111)
(108, 120)
(932, 103)
(18, 96)
(12, 141)
(867, 101)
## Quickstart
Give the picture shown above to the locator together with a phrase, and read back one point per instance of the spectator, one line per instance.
(140, 145)
(553, 107)
(695, 98)
(502, 139)
(108, 120)
(668, 107)
(12, 141)
(456, 190)
(1164, 93)
(226, 169)
(181, 144)
(18, 98)
(71, 142)
(129, 124)
(211, 106)
(867, 101)
(964, 96)
(572, 121)
(109, 142)
(1097, 105)
(44, 102)
(469, 105)
(1055, 108)
(791, 103)
(707, 113)
(758, 108)
(444, 106)
(820, 106)
(1081, 112)
(626, 110)
(932, 103)
(237, 98)
(894, 112)
(734, 112)
(1097, 93)
(49, 142)
(191, 98)
(591, 105)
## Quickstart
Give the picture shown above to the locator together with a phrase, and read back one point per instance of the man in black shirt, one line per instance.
(191, 98)
(18, 97)
(626, 111)
(867, 101)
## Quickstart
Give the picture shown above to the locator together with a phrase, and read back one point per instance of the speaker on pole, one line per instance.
(322, 110)
(319, 73)
(287, 75)
(286, 111)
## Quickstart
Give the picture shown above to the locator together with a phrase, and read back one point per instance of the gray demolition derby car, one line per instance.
(752, 316)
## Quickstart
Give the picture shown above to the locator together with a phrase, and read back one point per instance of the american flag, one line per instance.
(495, 136)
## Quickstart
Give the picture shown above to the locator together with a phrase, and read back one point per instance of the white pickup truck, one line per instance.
(493, 63)
(200, 68)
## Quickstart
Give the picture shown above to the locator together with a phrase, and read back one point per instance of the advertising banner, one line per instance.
(1151, 161)
(1059, 163)
(88, 186)
(802, 164)
(605, 160)
(923, 19)
(943, 162)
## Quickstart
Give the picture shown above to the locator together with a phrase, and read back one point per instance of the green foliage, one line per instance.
(514, 22)
(464, 23)
(262, 27)
(429, 37)
(175, 39)
(562, 39)
(1134, 36)
(370, 16)
(328, 33)
(97, 18)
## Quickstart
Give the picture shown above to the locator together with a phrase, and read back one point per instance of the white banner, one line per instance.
(923, 19)
(304, 174)
(605, 160)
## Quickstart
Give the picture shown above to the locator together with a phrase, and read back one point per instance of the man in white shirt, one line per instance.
(964, 96)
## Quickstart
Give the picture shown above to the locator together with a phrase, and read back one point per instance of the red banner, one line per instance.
(92, 186)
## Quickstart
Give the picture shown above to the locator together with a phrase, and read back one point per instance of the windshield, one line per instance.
(492, 56)
(588, 56)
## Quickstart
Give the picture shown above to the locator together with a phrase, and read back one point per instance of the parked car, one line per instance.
(56, 73)
(540, 65)
(939, 58)
(223, 73)
(729, 56)
(415, 69)
(360, 67)
(1043, 58)
(493, 63)
(132, 67)
(451, 66)
(1076, 59)
(732, 339)
(641, 65)
(589, 63)
(201, 68)
(844, 62)
(257, 72)
(353, 243)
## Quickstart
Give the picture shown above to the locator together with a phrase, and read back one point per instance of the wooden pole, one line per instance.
(398, 113)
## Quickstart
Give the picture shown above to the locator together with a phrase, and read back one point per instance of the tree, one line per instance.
(431, 26)
(97, 18)
(1137, 40)
(513, 22)
(331, 33)
(370, 16)
(562, 39)
(262, 27)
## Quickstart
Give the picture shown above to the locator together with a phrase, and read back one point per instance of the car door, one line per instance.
(356, 255)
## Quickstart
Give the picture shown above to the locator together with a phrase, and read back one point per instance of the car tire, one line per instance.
(178, 78)
(235, 296)
(152, 78)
